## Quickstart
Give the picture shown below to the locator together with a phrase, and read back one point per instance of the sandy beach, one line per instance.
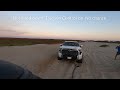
(41, 59)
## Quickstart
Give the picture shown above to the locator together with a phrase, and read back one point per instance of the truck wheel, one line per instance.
(79, 61)
(59, 58)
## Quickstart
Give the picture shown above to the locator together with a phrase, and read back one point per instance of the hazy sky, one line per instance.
(82, 25)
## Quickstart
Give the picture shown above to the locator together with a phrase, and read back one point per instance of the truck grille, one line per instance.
(69, 52)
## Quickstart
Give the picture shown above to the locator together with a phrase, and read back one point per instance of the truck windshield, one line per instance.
(70, 44)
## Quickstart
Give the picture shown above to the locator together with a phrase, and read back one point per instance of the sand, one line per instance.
(42, 60)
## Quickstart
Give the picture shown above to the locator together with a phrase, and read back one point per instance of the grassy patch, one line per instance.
(22, 42)
(27, 41)
(104, 45)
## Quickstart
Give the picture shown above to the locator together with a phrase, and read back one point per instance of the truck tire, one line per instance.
(59, 58)
(79, 61)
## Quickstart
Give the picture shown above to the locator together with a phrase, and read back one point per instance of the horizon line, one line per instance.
(58, 39)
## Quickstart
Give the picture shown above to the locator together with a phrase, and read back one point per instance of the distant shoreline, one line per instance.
(6, 41)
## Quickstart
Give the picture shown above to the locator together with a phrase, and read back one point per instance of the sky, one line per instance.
(80, 25)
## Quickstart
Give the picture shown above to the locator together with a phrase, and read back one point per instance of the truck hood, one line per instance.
(71, 47)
